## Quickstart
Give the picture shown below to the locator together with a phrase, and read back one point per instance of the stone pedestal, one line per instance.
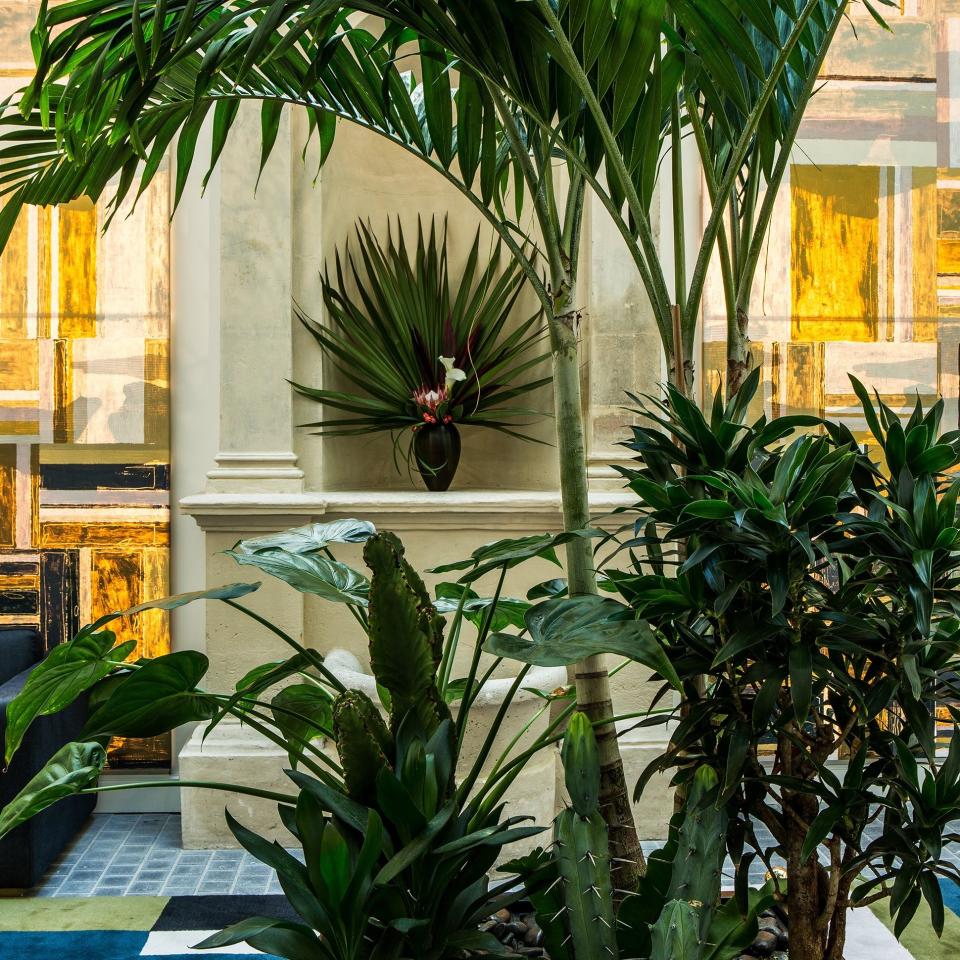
(237, 755)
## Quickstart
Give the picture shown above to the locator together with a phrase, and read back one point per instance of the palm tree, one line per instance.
(550, 96)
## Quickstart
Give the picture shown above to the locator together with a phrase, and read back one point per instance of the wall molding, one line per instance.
(463, 510)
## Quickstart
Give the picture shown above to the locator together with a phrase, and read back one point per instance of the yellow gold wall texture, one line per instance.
(861, 272)
(84, 411)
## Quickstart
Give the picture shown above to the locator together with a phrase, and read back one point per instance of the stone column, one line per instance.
(255, 458)
(256, 350)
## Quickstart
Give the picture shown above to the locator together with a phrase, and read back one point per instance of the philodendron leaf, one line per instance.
(565, 630)
(71, 769)
(508, 553)
(508, 611)
(309, 573)
(309, 539)
(158, 696)
(69, 670)
(303, 711)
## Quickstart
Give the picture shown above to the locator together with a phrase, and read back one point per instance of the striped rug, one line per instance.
(165, 928)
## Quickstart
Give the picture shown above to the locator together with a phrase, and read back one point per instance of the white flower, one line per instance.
(452, 374)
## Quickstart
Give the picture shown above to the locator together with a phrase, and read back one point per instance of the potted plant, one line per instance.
(424, 353)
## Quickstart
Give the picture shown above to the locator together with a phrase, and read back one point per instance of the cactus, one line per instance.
(698, 862)
(581, 765)
(406, 636)
(676, 934)
(672, 916)
(581, 851)
(363, 743)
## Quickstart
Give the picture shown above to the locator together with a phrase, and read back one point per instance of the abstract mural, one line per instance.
(84, 412)
(861, 273)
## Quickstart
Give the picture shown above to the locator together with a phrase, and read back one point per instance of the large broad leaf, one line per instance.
(507, 612)
(309, 573)
(508, 553)
(309, 539)
(229, 591)
(281, 937)
(566, 630)
(160, 695)
(303, 711)
(56, 682)
(71, 769)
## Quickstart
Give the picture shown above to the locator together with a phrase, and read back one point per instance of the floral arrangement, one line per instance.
(420, 348)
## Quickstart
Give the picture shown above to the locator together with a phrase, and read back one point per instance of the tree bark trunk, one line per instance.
(738, 350)
(805, 878)
(590, 675)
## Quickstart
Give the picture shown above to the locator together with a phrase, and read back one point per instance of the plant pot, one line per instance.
(436, 447)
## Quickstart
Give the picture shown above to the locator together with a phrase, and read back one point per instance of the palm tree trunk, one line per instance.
(590, 675)
(738, 349)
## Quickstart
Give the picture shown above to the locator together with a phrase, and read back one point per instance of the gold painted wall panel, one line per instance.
(77, 273)
(834, 254)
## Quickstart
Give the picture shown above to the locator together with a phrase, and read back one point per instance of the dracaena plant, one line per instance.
(553, 99)
(807, 596)
(419, 346)
(396, 846)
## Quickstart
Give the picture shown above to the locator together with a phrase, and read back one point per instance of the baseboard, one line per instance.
(164, 799)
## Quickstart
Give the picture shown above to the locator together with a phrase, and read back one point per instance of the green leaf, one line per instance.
(509, 553)
(74, 767)
(155, 698)
(312, 538)
(309, 573)
(934, 897)
(709, 510)
(295, 941)
(229, 591)
(820, 829)
(302, 711)
(801, 680)
(508, 611)
(69, 670)
(563, 631)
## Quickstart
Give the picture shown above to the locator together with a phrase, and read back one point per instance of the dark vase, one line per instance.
(436, 447)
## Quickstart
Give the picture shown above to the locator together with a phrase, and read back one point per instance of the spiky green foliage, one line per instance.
(396, 852)
(406, 636)
(581, 849)
(814, 613)
(673, 915)
(583, 863)
(394, 309)
(363, 743)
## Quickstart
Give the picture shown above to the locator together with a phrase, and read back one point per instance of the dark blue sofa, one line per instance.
(25, 853)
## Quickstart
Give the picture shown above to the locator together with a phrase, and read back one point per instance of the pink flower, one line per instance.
(430, 399)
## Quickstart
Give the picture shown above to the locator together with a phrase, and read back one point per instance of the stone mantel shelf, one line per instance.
(530, 510)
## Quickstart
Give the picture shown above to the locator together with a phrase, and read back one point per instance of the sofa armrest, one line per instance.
(20, 649)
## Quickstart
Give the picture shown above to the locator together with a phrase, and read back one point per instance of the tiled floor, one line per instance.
(120, 854)
(133, 854)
